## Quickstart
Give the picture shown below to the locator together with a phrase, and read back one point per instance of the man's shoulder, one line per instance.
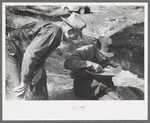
(86, 47)
(48, 25)
(56, 28)
(51, 25)
(87, 51)
(34, 24)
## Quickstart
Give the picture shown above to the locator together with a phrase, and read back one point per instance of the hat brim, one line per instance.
(107, 54)
(109, 73)
(72, 26)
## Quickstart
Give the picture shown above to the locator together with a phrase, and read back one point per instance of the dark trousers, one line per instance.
(38, 91)
(91, 88)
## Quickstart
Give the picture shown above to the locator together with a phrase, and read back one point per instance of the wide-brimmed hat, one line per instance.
(104, 46)
(76, 22)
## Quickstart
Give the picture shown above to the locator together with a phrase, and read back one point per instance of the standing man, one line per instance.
(93, 58)
(46, 37)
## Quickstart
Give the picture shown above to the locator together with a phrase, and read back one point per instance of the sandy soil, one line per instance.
(103, 20)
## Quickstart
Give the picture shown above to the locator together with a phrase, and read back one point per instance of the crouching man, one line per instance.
(93, 58)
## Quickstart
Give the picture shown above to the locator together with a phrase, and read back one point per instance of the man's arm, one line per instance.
(82, 59)
(41, 44)
(79, 59)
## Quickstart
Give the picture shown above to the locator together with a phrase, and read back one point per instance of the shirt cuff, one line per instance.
(89, 63)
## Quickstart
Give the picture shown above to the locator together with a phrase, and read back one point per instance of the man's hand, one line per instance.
(95, 68)
(23, 87)
(114, 64)
(107, 68)
(37, 76)
(20, 91)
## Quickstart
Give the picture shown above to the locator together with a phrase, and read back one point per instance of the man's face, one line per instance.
(100, 56)
(69, 33)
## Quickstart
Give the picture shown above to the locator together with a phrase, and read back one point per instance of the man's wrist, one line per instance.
(89, 63)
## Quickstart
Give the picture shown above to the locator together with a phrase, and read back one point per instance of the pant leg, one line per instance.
(87, 88)
(106, 82)
(38, 91)
(91, 88)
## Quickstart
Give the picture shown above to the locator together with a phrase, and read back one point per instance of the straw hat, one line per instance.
(76, 22)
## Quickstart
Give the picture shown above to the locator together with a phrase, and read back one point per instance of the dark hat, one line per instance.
(104, 45)
(76, 22)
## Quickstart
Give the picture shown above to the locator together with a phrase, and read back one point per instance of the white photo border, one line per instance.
(62, 110)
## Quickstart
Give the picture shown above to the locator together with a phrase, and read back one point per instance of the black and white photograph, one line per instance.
(75, 57)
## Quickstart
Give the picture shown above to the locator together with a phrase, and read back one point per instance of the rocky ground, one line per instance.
(129, 42)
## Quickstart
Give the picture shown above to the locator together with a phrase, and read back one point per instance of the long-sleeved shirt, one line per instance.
(47, 38)
(82, 59)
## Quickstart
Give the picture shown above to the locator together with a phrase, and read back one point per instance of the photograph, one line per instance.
(74, 54)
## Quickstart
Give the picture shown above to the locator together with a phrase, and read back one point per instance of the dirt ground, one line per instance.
(101, 21)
